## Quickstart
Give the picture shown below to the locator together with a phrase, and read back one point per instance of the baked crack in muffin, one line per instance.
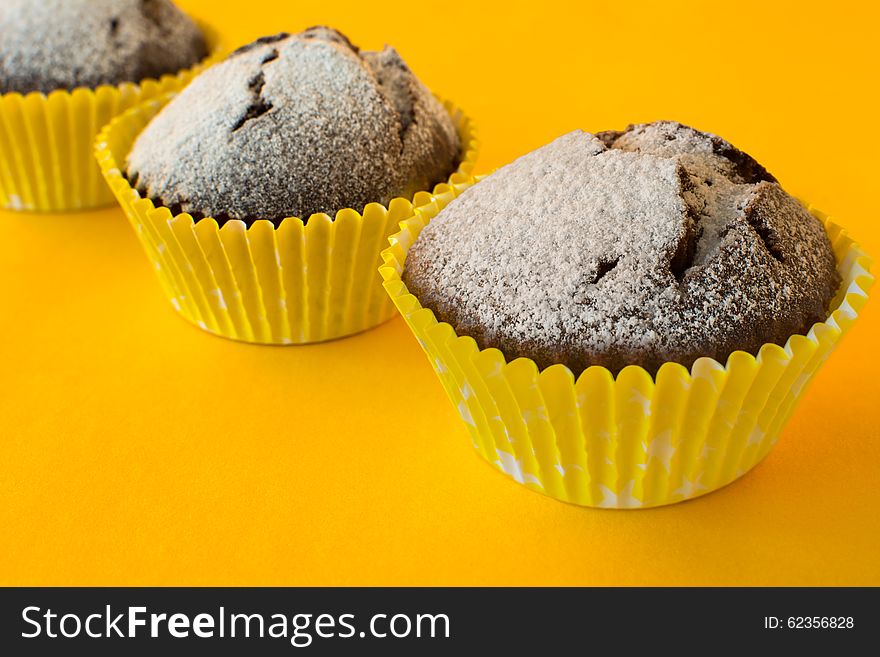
(292, 125)
(658, 243)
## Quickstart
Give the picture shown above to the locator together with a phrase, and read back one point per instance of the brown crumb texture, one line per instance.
(660, 243)
(64, 44)
(291, 125)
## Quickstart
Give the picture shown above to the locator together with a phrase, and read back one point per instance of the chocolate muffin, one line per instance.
(291, 125)
(64, 44)
(659, 243)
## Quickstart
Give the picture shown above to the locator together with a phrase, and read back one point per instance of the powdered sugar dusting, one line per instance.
(660, 243)
(292, 125)
(63, 44)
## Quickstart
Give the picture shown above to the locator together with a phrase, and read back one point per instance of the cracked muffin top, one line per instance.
(64, 44)
(291, 125)
(659, 243)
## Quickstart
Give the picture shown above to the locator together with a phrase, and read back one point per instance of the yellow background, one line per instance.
(137, 449)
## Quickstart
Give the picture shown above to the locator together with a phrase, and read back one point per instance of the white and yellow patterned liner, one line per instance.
(630, 441)
(298, 283)
(47, 159)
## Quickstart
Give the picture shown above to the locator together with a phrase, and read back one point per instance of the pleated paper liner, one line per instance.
(630, 441)
(298, 283)
(47, 159)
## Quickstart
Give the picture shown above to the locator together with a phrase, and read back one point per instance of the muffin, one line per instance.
(292, 125)
(66, 68)
(265, 192)
(625, 319)
(64, 44)
(659, 243)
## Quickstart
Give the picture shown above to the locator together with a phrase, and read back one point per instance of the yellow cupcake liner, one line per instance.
(298, 283)
(47, 160)
(630, 441)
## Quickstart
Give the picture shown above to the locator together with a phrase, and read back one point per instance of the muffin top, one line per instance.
(64, 44)
(659, 243)
(290, 125)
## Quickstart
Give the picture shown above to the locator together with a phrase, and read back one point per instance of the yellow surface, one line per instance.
(138, 449)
